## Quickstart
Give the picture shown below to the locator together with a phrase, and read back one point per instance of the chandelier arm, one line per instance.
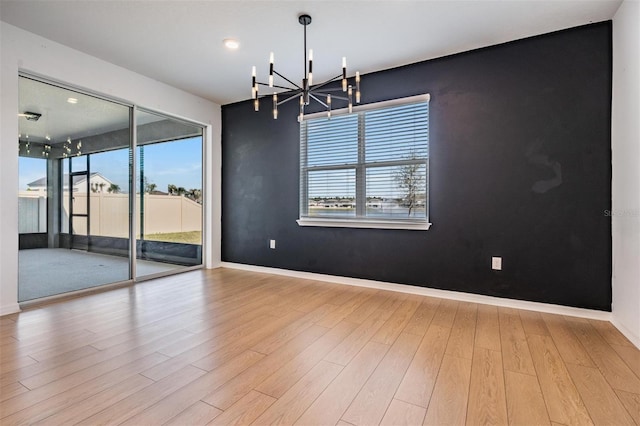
(318, 100)
(316, 87)
(342, 98)
(332, 89)
(294, 96)
(290, 82)
(279, 87)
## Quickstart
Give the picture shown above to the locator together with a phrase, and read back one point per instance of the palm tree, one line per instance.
(114, 188)
(148, 186)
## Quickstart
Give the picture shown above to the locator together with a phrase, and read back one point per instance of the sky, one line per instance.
(178, 163)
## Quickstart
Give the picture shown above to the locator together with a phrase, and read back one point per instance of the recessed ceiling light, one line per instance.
(231, 43)
(72, 100)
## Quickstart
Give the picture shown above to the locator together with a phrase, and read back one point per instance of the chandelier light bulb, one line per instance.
(254, 85)
(271, 69)
(310, 67)
(344, 74)
(275, 106)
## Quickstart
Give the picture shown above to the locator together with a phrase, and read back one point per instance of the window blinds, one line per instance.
(372, 164)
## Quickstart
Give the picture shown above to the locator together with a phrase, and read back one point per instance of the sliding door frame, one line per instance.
(133, 110)
(205, 194)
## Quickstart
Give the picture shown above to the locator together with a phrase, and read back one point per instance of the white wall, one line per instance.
(24, 51)
(626, 170)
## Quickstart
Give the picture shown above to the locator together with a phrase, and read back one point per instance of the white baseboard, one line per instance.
(9, 309)
(425, 291)
(627, 333)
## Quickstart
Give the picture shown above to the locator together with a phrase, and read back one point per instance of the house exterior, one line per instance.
(97, 184)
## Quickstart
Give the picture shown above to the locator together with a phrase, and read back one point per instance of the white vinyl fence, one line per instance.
(32, 212)
(109, 214)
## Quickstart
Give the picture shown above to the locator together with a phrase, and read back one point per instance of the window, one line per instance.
(369, 169)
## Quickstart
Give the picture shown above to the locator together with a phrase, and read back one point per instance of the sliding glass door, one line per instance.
(168, 194)
(100, 203)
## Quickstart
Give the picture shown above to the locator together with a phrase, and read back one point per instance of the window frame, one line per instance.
(360, 167)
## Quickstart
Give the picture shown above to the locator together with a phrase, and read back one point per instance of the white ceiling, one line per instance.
(60, 119)
(179, 42)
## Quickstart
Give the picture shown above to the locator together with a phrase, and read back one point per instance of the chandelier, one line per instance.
(306, 91)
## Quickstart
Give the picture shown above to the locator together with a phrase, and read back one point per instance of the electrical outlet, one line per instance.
(272, 244)
(496, 263)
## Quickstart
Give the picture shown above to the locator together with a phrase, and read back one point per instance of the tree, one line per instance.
(114, 188)
(411, 180)
(193, 194)
(149, 187)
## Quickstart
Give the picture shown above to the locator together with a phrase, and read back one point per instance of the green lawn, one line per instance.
(193, 237)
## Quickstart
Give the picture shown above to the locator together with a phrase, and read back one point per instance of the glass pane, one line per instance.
(332, 141)
(332, 193)
(168, 194)
(397, 133)
(78, 161)
(67, 130)
(80, 228)
(109, 194)
(397, 192)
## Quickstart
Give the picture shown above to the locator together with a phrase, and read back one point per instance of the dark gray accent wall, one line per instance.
(520, 167)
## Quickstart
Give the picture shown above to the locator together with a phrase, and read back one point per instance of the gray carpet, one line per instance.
(46, 272)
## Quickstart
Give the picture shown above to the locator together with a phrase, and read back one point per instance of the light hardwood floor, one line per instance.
(233, 347)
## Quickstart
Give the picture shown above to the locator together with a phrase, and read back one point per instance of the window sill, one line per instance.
(364, 223)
